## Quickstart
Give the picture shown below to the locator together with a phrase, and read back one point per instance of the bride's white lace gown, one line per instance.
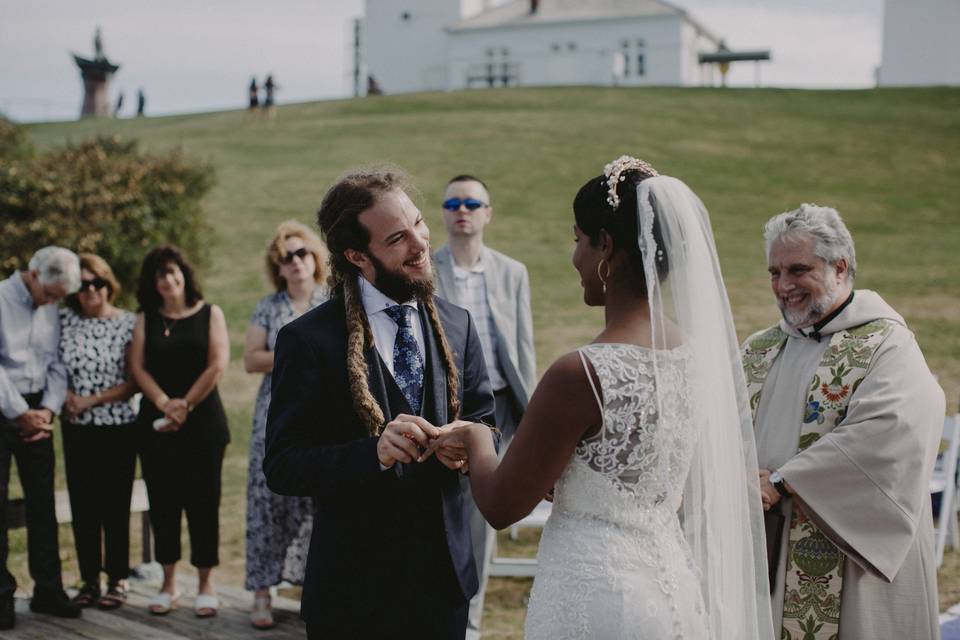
(613, 562)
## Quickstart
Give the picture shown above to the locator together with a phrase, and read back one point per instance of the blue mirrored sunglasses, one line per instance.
(471, 204)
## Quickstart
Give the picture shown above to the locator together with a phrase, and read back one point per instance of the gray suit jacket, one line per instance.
(508, 294)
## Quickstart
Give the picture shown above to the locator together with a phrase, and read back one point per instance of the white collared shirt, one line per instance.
(471, 292)
(384, 329)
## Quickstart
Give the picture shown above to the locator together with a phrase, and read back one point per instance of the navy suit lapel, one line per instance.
(376, 381)
(435, 376)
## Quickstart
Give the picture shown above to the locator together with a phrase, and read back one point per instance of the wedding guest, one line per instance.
(848, 420)
(33, 384)
(495, 289)
(180, 350)
(99, 439)
(278, 527)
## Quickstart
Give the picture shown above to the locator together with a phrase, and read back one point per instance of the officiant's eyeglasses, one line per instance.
(95, 284)
(472, 204)
(301, 253)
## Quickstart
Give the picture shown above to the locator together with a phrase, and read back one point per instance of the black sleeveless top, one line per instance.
(175, 354)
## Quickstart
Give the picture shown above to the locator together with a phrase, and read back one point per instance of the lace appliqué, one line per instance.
(613, 562)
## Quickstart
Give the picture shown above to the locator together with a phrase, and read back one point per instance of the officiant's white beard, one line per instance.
(817, 309)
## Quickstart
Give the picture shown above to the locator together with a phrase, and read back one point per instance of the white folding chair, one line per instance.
(944, 482)
(505, 566)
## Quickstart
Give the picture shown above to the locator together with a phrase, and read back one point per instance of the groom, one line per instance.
(360, 385)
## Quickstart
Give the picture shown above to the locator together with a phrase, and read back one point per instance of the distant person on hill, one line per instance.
(373, 87)
(141, 103)
(33, 386)
(278, 527)
(179, 351)
(848, 420)
(495, 289)
(254, 94)
(269, 87)
(116, 109)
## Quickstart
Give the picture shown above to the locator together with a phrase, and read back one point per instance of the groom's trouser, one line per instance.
(508, 414)
(435, 623)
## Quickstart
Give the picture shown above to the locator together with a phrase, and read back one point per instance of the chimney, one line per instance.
(534, 5)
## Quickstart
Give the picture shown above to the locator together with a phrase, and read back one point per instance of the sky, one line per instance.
(191, 55)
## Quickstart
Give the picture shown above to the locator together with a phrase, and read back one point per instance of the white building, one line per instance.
(921, 43)
(424, 45)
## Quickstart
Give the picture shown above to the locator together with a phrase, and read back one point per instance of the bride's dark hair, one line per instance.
(593, 212)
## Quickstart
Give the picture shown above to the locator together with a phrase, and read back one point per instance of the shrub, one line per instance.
(105, 197)
(14, 144)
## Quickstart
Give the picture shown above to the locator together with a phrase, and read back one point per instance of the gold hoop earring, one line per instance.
(603, 278)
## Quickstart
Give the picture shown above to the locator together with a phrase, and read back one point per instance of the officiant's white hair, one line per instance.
(834, 241)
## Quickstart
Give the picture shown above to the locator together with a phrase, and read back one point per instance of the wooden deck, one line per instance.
(134, 621)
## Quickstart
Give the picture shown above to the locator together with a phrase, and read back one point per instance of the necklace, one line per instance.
(167, 327)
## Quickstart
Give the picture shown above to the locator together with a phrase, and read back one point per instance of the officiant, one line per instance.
(848, 418)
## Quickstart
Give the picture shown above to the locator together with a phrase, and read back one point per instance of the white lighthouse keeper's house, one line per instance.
(424, 45)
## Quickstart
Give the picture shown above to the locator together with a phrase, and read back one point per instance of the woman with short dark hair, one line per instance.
(179, 352)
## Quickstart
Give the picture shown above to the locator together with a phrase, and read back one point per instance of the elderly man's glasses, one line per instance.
(472, 204)
(301, 253)
(95, 284)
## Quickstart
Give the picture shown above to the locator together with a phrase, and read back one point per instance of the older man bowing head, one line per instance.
(848, 419)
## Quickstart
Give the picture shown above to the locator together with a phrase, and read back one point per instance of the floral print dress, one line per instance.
(278, 527)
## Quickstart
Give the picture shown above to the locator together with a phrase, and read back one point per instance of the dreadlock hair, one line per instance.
(339, 222)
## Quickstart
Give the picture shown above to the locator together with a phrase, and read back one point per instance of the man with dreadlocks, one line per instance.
(360, 385)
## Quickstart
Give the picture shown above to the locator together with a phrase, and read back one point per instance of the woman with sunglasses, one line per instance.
(179, 351)
(278, 527)
(99, 441)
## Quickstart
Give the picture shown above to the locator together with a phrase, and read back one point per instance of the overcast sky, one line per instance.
(192, 55)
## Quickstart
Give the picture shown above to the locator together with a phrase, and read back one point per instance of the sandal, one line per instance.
(89, 593)
(115, 596)
(163, 603)
(261, 617)
(206, 605)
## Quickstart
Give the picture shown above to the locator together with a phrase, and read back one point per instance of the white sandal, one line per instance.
(163, 603)
(206, 605)
(261, 616)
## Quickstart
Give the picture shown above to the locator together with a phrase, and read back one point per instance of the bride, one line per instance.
(645, 434)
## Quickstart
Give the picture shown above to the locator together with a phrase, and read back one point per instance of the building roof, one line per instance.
(517, 13)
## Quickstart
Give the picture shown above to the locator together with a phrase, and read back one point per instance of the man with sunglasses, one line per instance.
(33, 387)
(495, 289)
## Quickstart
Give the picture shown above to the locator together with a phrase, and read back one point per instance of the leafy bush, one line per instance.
(105, 197)
(14, 144)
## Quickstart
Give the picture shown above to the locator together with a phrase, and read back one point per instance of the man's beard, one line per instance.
(814, 311)
(396, 285)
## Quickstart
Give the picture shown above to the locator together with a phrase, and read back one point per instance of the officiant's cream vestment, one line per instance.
(865, 482)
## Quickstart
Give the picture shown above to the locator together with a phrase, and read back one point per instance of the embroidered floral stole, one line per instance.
(814, 573)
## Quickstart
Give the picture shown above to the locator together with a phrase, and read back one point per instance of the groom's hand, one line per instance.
(401, 438)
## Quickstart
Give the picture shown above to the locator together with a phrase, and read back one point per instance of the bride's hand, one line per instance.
(450, 446)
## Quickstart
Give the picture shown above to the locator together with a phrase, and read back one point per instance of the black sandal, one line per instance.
(115, 596)
(89, 593)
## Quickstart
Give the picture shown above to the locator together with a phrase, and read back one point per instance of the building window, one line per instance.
(405, 16)
(641, 64)
(571, 46)
(626, 59)
(555, 47)
(640, 44)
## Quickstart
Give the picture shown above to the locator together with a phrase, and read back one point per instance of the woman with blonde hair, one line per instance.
(99, 438)
(278, 527)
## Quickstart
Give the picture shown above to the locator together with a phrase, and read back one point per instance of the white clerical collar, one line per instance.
(375, 301)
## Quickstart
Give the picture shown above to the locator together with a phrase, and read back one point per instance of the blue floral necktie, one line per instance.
(407, 362)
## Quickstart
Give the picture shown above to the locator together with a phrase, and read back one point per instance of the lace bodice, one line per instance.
(613, 561)
(645, 443)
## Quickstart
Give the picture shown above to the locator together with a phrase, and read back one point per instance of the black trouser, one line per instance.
(183, 476)
(35, 463)
(436, 623)
(100, 462)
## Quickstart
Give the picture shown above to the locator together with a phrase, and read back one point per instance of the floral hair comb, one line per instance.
(614, 173)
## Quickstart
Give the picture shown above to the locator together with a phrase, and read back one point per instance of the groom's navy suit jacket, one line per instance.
(390, 549)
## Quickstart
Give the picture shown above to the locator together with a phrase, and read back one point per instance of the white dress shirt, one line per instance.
(472, 296)
(29, 341)
(382, 325)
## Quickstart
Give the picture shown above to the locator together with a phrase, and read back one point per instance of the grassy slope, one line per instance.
(889, 160)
